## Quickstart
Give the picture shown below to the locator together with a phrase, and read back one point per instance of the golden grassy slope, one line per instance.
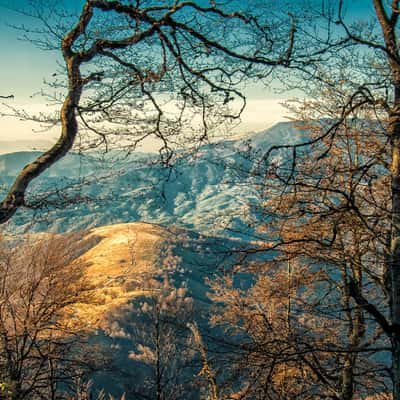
(122, 258)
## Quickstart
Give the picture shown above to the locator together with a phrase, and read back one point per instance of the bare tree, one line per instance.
(332, 200)
(40, 337)
(296, 350)
(141, 69)
(162, 344)
(160, 354)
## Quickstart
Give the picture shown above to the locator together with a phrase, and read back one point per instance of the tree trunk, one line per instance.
(394, 272)
(388, 25)
(158, 354)
(355, 332)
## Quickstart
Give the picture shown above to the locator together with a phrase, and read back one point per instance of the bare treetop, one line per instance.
(140, 70)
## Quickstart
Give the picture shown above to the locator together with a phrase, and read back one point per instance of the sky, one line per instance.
(24, 69)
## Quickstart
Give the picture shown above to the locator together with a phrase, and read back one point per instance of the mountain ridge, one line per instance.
(205, 192)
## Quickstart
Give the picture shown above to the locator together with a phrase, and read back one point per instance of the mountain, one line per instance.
(209, 191)
(204, 201)
(122, 259)
(126, 266)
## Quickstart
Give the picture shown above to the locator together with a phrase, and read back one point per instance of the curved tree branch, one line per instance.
(79, 49)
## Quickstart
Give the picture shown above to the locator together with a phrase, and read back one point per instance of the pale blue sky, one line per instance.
(24, 68)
